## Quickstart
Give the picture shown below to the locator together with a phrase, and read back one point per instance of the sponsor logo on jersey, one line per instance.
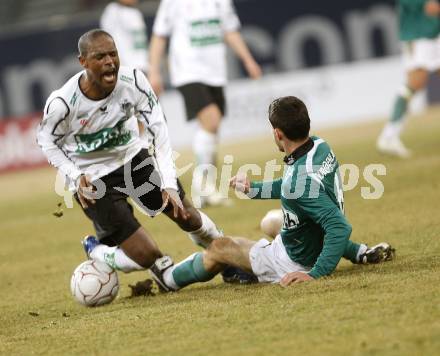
(328, 166)
(139, 39)
(126, 79)
(127, 108)
(205, 32)
(104, 139)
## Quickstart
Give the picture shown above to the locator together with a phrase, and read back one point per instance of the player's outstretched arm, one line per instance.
(234, 40)
(155, 54)
(50, 134)
(256, 190)
(149, 107)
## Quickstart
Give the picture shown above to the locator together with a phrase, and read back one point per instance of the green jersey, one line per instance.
(414, 23)
(315, 231)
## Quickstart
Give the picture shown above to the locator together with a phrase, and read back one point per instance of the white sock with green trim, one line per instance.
(115, 257)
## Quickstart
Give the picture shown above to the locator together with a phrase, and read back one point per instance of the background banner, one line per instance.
(305, 34)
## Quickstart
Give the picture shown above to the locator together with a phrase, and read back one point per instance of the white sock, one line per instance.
(205, 150)
(206, 233)
(405, 92)
(205, 146)
(361, 251)
(392, 129)
(169, 279)
(115, 257)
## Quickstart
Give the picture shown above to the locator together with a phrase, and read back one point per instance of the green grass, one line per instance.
(389, 309)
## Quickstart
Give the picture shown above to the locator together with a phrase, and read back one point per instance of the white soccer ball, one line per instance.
(94, 283)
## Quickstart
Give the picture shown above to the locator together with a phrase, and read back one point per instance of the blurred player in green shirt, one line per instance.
(315, 233)
(419, 28)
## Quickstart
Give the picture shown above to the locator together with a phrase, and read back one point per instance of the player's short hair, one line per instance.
(87, 38)
(290, 115)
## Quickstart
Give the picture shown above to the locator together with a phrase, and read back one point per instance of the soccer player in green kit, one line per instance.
(419, 29)
(315, 234)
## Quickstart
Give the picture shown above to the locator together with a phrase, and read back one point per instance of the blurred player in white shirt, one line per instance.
(198, 31)
(127, 26)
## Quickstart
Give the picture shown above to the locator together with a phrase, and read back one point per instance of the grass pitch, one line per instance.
(389, 309)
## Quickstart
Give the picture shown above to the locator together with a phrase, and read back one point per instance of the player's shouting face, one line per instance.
(101, 62)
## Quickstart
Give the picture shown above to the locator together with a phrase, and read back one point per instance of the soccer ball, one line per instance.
(272, 222)
(94, 283)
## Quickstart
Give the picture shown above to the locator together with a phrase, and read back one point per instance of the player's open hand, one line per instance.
(253, 69)
(295, 277)
(85, 191)
(171, 196)
(240, 183)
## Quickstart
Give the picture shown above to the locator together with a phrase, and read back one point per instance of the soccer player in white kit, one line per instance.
(198, 31)
(90, 134)
(127, 26)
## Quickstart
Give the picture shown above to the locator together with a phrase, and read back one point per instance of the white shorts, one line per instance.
(422, 54)
(270, 261)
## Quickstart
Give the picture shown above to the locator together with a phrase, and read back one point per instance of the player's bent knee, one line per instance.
(418, 80)
(219, 248)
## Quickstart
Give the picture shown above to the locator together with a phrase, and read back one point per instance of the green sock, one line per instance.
(191, 270)
(401, 104)
(399, 109)
(351, 251)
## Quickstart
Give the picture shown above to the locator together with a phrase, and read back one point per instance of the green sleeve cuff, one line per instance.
(265, 190)
(255, 190)
(314, 274)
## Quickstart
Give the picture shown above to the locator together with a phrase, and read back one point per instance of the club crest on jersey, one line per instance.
(127, 108)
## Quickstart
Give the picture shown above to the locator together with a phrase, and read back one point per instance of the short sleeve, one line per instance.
(164, 21)
(230, 20)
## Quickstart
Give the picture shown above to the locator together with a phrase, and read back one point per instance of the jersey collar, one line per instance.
(299, 152)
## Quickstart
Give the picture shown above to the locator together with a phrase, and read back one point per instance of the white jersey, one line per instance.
(127, 26)
(196, 28)
(83, 136)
